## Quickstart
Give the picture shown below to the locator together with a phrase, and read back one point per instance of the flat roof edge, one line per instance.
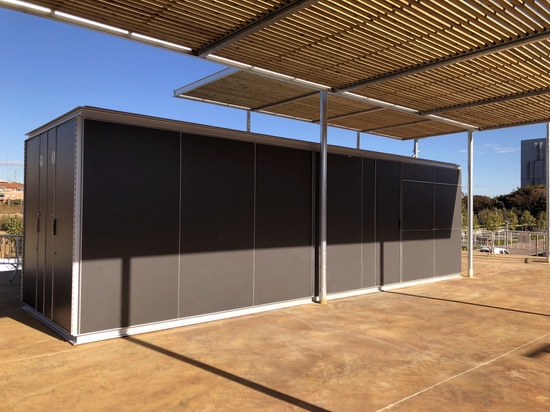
(108, 115)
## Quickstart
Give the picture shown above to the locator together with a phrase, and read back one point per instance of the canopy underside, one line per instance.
(400, 68)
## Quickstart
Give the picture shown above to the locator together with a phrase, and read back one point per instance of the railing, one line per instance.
(516, 241)
(11, 254)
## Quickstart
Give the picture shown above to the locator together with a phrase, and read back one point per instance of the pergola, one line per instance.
(405, 69)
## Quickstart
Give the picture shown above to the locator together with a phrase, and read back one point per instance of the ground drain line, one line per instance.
(463, 373)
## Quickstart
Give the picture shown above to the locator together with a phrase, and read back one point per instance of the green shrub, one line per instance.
(13, 225)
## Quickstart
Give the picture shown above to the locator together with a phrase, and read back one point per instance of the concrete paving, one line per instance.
(465, 344)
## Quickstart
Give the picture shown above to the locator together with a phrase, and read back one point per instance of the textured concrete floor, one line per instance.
(466, 344)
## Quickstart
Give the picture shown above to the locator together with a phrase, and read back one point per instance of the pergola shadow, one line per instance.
(229, 376)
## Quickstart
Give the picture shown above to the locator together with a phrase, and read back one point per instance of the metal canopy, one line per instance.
(290, 98)
(482, 64)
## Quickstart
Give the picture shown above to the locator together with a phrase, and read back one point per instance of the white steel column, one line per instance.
(323, 201)
(547, 168)
(470, 203)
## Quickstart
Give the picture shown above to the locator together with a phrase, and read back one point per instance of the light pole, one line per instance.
(505, 221)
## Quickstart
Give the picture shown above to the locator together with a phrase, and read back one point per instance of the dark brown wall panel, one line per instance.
(446, 208)
(284, 222)
(42, 223)
(32, 207)
(388, 224)
(50, 163)
(344, 187)
(418, 205)
(369, 249)
(131, 178)
(64, 200)
(418, 172)
(447, 175)
(217, 225)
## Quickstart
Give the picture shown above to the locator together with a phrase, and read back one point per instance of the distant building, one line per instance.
(10, 191)
(533, 162)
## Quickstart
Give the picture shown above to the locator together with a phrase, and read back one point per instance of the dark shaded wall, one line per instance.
(390, 221)
(181, 225)
(175, 225)
(48, 228)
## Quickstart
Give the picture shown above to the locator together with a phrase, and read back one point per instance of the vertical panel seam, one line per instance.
(180, 208)
(313, 220)
(375, 216)
(254, 201)
(77, 228)
(362, 187)
(401, 222)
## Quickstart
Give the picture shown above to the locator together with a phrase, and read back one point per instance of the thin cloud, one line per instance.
(11, 163)
(476, 152)
(500, 149)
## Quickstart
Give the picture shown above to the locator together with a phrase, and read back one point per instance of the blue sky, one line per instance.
(48, 68)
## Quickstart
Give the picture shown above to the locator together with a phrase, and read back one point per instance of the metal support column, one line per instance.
(358, 140)
(248, 121)
(323, 201)
(470, 203)
(415, 149)
(547, 168)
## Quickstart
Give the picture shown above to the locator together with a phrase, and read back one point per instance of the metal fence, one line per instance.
(516, 241)
(11, 254)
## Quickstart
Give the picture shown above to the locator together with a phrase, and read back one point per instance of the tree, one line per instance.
(541, 222)
(482, 202)
(531, 198)
(475, 222)
(527, 220)
(491, 219)
(512, 219)
(13, 225)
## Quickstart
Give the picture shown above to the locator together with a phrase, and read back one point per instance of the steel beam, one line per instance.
(470, 203)
(322, 298)
(547, 168)
(261, 23)
(506, 45)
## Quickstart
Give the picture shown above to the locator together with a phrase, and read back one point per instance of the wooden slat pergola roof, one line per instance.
(401, 68)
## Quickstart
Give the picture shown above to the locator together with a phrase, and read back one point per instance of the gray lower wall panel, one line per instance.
(103, 301)
(217, 225)
(130, 222)
(151, 279)
(216, 281)
(418, 255)
(447, 259)
(344, 223)
(283, 274)
(368, 236)
(283, 268)
(388, 221)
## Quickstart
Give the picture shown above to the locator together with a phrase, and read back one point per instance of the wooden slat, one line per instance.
(343, 42)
